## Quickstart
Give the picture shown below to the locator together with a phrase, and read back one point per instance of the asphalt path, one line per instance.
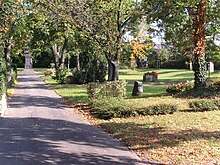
(39, 129)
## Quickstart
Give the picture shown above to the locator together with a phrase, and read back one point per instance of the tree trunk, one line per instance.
(55, 53)
(77, 62)
(112, 70)
(199, 23)
(113, 60)
(63, 54)
(8, 61)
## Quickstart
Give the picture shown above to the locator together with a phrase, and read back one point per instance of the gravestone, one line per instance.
(28, 60)
(211, 67)
(190, 66)
(137, 89)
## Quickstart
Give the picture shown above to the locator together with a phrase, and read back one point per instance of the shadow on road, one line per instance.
(43, 141)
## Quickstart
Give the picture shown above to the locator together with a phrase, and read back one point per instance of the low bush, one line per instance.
(110, 89)
(70, 79)
(204, 105)
(213, 83)
(160, 109)
(217, 103)
(180, 87)
(174, 64)
(109, 107)
(61, 76)
(2, 76)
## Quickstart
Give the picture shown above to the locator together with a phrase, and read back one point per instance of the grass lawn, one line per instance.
(181, 138)
(164, 75)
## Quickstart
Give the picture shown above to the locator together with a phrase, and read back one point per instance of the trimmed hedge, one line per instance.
(111, 107)
(174, 64)
(214, 83)
(160, 109)
(204, 105)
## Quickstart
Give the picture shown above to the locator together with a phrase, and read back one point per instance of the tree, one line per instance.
(140, 50)
(14, 31)
(187, 19)
(49, 32)
(104, 22)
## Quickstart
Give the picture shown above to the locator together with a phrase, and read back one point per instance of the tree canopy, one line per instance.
(186, 25)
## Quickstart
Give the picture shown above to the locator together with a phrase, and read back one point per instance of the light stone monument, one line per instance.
(28, 60)
(211, 67)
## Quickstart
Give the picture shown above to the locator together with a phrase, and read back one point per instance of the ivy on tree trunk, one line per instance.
(199, 23)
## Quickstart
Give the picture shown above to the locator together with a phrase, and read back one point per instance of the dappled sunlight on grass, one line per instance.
(164, 75)
(180, 138)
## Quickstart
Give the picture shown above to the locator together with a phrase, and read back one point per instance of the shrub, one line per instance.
(160, 109)
(213, 83)
(92, 68)
(2, 76)
(217, 103)
(61, 76)
(14, 77)
(70, 79)
(174, 64)
(180, 87)
(79, 77)
(109, 107)
(204, 105)
(15, 69)
(113, 89)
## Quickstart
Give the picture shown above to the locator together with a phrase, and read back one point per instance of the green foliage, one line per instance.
(110, 107)
(42, 59)
(160, 109)
(15, 68)
(2, 76)
(91, 72)
(204, 105)
(61, 76)
(174, 64)
(199, 67)
(110, 89)
(214, 83)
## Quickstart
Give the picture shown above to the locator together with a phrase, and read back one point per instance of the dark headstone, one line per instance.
(137, 89)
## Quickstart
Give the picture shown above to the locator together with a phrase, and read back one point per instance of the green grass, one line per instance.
(20, 69)
(40, 69)
(149, 91)
(50, 81)
(164, 75)
(73, 94)
(180, 138)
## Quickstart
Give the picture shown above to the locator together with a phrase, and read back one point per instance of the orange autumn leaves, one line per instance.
(140, 49)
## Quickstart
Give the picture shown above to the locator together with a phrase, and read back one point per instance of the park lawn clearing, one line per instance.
(179, 138)
(184, 137)
(164, 75)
